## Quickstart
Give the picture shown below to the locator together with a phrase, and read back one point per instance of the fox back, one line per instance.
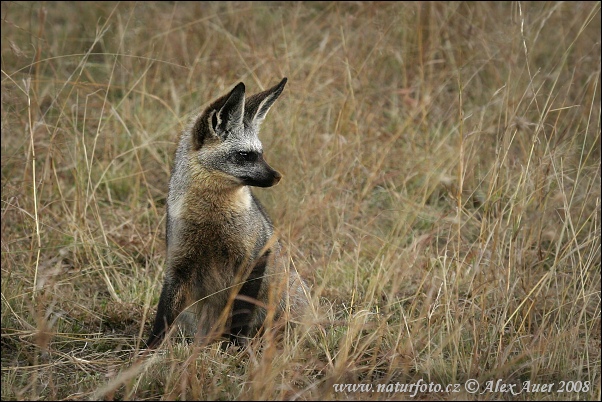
(223, 262)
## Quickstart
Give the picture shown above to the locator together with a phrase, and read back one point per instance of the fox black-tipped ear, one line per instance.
(258, 105)
(220, 117)
(231, 114)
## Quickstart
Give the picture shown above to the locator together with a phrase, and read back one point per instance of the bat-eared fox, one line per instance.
(224, 271)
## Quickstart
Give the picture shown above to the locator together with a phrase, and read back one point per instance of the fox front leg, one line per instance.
(171, 304)
(246, 309)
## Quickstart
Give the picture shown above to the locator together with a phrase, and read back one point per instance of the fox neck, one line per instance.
(201, 202)
(235, 199)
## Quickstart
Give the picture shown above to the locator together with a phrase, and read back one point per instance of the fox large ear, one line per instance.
(258, 105)
(231, 114)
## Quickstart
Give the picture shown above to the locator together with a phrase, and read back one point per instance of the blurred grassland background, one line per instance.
(441, 193)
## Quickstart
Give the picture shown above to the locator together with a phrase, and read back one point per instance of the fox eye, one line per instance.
(247, 156)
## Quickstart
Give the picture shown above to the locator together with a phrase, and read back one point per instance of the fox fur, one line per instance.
(224, 269)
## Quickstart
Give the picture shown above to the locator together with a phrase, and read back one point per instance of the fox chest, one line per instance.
(225, 242)
(222, 231)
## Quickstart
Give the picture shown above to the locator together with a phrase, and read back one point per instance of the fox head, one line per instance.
(224, 137)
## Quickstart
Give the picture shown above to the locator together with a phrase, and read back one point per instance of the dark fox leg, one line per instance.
(171, 303)
(245, 307)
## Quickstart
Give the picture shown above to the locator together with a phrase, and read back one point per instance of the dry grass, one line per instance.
(441, 193)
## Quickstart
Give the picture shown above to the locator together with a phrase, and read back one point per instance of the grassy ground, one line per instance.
(441, 194)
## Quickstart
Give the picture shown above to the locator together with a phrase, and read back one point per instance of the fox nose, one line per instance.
(277, 177)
